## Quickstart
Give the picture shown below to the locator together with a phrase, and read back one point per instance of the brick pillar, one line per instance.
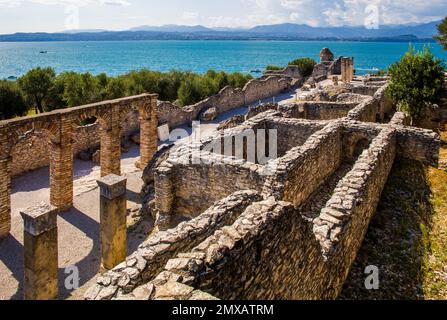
(113, 214)
(148, 130)
(164, 197)
(61, 167)
(40, 250)
(5, 198)
(110, 134)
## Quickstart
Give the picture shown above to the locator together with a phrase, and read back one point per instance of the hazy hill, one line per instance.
(285, 31)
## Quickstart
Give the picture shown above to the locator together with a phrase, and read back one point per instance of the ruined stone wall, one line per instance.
(267, 248)
(269, 253)
(256, 90)
(289, 71)
(292, 133)
(150, 259)
(342, 224)
(297, 176)
(418, 144)
(197, 187)
(318, 110)
(32, 151)
(236, 262)
(174, 116)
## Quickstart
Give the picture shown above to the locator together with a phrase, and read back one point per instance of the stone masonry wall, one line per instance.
(318, 110)
(32, 151)
(152, 255)
(297, 176)
(342, 224)
(196, 187)
(320, 264)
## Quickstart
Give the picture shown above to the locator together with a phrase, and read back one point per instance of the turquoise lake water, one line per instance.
(116, 58)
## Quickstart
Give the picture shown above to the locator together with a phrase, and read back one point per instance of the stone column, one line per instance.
(5, 198)
(148, 130)
(40, 250)
(113, 214)
(352, 68)
(344, 70)
(61, 166)
(110, 135)
(164, 197)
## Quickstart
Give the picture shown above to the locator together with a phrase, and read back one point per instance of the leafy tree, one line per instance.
(416, 82)
(12, 103)
(36, 85)
(238, 80)
(116, 88)
(306, 65)
(442, 30)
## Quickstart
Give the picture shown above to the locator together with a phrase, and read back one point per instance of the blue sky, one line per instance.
(59, 15)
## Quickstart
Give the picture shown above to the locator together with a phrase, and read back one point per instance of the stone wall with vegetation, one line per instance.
(32, 151)
(269, 247)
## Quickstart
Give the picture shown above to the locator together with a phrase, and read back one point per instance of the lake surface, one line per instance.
(116, 58)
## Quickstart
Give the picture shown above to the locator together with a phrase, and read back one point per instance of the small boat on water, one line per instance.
(256, 71)
(12, 78)
(43, 52)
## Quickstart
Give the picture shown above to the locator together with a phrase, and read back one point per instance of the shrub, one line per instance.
(46, 91)
(12, 103)
(306, 65)
(379, 73)
(273, 68)
(416, 82)
(442, 33)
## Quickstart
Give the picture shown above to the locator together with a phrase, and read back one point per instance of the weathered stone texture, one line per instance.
(58, 128)
(40, 253)
(250, 255)
(113, 217)
(154, 253)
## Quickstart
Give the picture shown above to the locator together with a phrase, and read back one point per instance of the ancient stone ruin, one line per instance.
(59, 129)
(273, 205)
(237, 224)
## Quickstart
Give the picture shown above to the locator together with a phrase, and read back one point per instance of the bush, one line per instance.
(273, 68)
(416, 82)
(442, 34)
(379, 73)
(306, 65)
(12, 103)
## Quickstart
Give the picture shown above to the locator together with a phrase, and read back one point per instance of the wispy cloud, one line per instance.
(80, 3)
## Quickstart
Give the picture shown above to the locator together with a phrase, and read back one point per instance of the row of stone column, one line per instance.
(347, 69)
(61, 157)
(41, 244)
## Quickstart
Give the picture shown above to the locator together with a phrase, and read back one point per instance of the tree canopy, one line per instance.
(43, 90)
(442, 33)
(416, 82)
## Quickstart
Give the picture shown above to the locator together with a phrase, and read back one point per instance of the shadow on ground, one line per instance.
(397, 239)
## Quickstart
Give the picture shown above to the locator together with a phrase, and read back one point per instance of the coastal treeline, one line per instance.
(41, 89)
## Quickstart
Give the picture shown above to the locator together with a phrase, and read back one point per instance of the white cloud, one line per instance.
(79, 3)
(348, 12)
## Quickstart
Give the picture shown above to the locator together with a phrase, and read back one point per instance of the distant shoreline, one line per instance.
(397, 40)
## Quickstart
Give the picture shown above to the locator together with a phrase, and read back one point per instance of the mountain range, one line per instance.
(285, 31)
